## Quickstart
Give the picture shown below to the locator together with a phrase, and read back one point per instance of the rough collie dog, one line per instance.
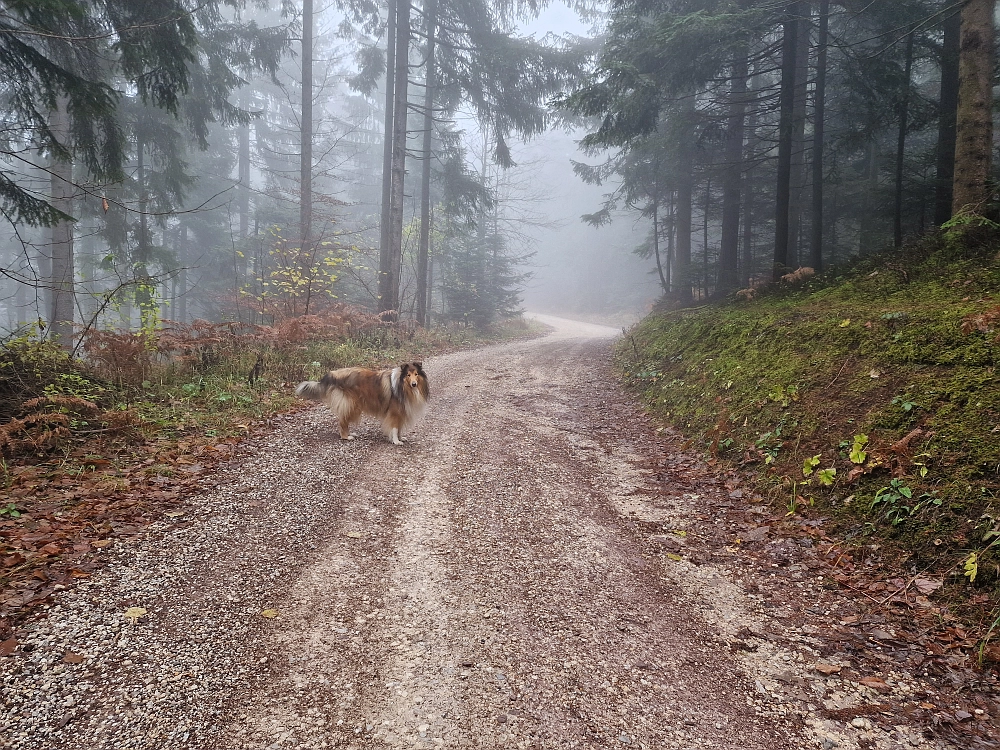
(396, 397)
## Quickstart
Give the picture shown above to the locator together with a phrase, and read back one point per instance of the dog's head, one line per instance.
(413, 379)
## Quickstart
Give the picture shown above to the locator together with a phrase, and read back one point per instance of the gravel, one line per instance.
(482, 586)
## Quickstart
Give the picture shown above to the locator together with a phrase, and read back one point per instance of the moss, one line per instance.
(879, 351)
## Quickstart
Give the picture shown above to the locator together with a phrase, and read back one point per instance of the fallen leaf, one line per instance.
(174, 514)
(873, 373)
(927, 585)
(101, 543)
(875, 683)
(8, 647)
(675, 558)
(353, 534)
(679, 532)
(826, 669)
(928, 706)
(270, 614)
(850, 620)
(962, 715)
(132, 614)
(51, 549)
(72, 658)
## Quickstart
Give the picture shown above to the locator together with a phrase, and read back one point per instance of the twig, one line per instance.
(840, 372)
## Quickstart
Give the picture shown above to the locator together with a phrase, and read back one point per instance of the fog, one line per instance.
(418, 166)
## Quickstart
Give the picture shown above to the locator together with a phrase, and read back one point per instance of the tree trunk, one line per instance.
(143, 295)
(797, 203)
(244, 177)
(182, 286)
(819, 138)
(974, 120)
(729, 249)
(671, 226)
(656, 246)
(947, 106)
(306, 140)
(430, 274)
(685, 199)
(398, 151)
(904, 113)
(385, 224)
(704, 236)
(423, 252)
(786, 130)
(746, 266)
(62, 292)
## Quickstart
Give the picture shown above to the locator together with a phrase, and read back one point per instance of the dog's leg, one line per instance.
(394, 436)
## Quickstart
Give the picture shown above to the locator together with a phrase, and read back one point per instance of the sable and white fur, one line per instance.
(396, 397)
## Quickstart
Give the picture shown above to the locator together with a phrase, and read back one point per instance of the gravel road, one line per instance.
(503, 580)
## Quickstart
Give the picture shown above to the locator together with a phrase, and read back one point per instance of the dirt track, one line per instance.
(507, 579)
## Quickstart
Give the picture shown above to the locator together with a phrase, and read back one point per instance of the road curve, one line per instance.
(490, 584)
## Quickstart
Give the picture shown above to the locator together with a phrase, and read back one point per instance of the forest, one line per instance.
(240, 163)
(697, 308)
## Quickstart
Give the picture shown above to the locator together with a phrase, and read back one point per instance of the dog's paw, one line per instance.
(397, 442)
(348, 437)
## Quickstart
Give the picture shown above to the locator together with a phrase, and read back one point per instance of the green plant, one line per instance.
(10, 510)
(826, 477)
(895, 501)
(858, 453)
(904, 403)
(809, 465)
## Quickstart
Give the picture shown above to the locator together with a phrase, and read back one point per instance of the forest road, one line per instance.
(490, 584)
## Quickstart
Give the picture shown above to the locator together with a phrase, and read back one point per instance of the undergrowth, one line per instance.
(207, 379)
(868, 396)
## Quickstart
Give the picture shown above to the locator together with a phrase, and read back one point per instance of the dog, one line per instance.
(396, 397)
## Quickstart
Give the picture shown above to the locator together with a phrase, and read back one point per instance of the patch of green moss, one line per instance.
(880, 352)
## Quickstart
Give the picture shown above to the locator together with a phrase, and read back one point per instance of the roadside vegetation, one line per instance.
(97, 446)
(866, 400)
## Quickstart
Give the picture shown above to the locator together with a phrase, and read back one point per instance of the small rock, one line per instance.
(857, 722)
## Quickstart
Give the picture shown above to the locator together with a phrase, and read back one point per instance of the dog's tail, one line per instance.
(311, 390)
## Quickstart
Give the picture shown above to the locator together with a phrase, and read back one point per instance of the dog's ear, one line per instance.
(404, 368)
(419, 366)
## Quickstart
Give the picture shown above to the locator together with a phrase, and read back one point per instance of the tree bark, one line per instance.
(306, 140)
(62, 293)
(729, 248)
(423, 251)
(947, 107)
(786, 129)
(746, 265)
(904, 113)
(398, 150)
(819, 138)
(797, 203)
(974, 120)
(656, 245)
(385, 225)
(685, 199)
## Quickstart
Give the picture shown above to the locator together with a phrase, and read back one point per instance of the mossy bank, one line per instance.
(868, 397)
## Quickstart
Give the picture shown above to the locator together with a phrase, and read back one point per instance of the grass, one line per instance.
(886, 362)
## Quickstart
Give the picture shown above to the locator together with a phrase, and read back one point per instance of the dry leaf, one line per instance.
(928, 706)
(270, 614)
(72, 658)
(875, 683)
(104, 204)
(675, 558)
(926, 585)
(101, 543)
(873, 373)
(8, 647)
(827, 669)
(174, 514)
(353, 534)
(132, 614)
